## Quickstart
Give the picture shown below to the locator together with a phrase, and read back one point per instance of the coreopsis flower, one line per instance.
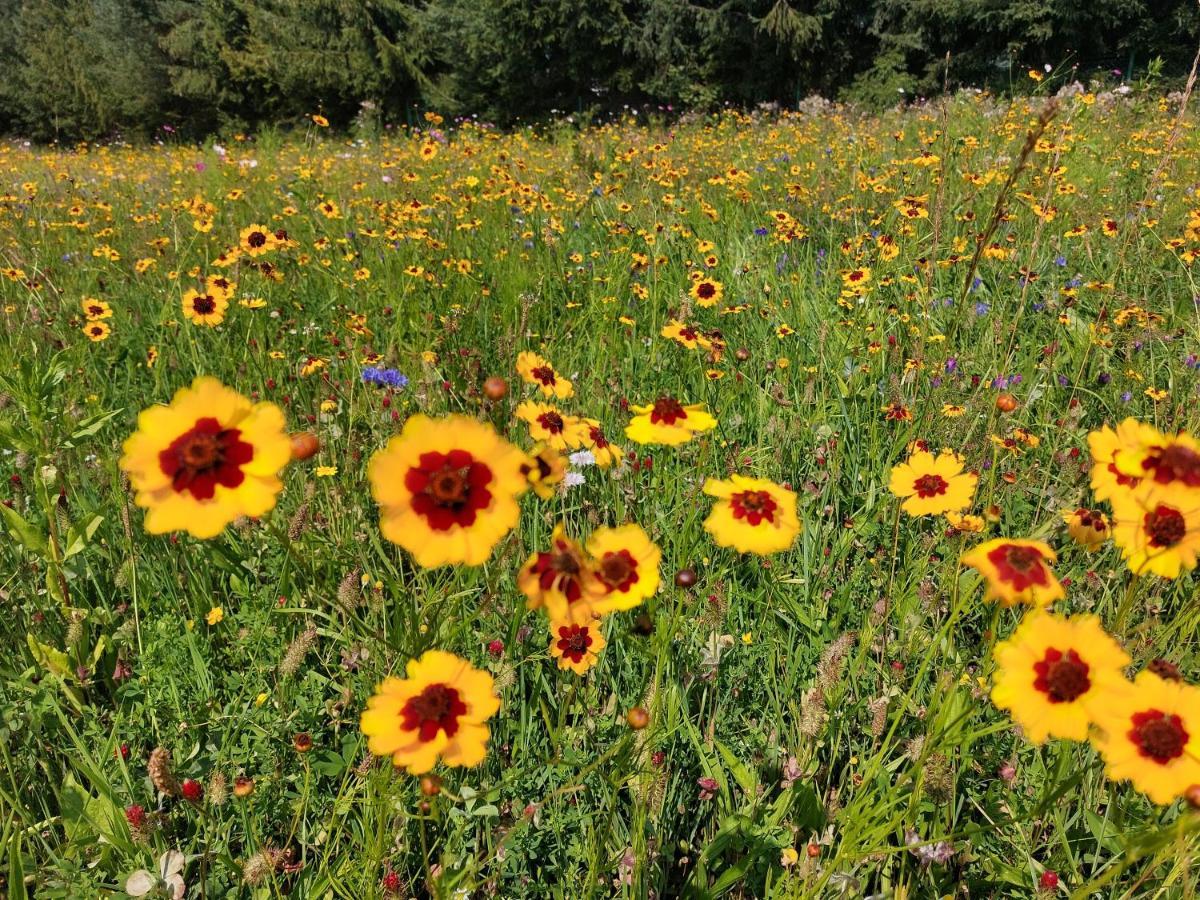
(667, 421)
(687, 335)
(220, 286)
(1088, 527)
(751, 515)
(1016, 571)
(1164, 464)
(965, 523)
(255, 240)
(707, 291)
(550, 424)
(535, 370)
(1050, 669)
(625, 568)
(603, 451)
(208, 458)
(1160, 537)
(576, 645)
(1149, 733)
(555, 578)
(933, 485)
(204, 308)
(97, 331)
(544, 469)
(94, 310)
(447, 489)
(437, 711)
(1108, 480)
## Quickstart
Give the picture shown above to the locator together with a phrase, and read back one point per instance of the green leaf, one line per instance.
(26, 535)
(89, 426)
(78, 537)
(744, 777)
(49, 658)
(16, 872)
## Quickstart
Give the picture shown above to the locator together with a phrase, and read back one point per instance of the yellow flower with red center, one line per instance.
(1149, 733)
(1155, 536)
(556, 579)
(1051, 669)
(204, 308)
(1016, 571)
(544, 470)
(437, 711)
(687, 335)
(1108, 480)
(220, 286)
(1164, 464)
(1088, 527)
(535, 370)
(447, 489)
(576, 645)
(667, 421)
(933, 485)
(208, 458)
(967, 524)
(94, 310)
(752, 515)
(97, 331)
(855, 278)
(551, 425)
(603, 452)
(707, 291)
(624, 569)
(255, 240)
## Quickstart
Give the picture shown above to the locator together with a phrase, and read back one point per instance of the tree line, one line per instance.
(87, 69)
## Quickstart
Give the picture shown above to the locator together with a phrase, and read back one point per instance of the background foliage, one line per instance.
(96, 68)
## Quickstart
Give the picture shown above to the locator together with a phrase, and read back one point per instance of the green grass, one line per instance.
(857, 663)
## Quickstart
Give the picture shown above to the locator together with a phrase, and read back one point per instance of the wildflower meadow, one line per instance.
(746, 504)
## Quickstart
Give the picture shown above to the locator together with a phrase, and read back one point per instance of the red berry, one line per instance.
(1049, 880)
(135, 815)
(193, 790)
(496, 648)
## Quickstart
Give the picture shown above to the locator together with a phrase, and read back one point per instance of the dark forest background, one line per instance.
(72, 69)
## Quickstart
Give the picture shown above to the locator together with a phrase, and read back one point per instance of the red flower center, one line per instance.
(256, 239)
(560, 569)
(449, 489)
(753, 506)
(1174, 463)
(688, 333)
(1062, 677)
(1020, 566)
(204, 304)
(1122, 479)
(1158, 735)
(618, 570)
(206, 456)
(1165, 526)
(596, 435)
(551, 421)
(574, 641)
(545, 375)
(95, 310)
(668, 411)
(930, 486)
(706, 290)
(1090, 519)
(435, 709)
